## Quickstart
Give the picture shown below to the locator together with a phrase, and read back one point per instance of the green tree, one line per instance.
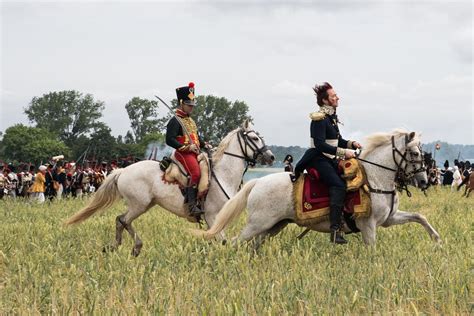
(101, 145)
(216, 117)
(30, 144)
(143, 115)
(67, 114)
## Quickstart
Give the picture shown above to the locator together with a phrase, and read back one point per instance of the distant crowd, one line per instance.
(54, 180)
(456, 176)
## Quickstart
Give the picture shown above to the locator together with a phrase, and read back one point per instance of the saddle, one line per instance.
(311, 195)
(175, 173)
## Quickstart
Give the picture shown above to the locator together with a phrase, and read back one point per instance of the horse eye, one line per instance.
(256, 139)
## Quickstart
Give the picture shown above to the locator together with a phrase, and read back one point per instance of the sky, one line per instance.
(394, 64)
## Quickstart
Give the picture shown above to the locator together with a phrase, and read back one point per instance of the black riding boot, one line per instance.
(190, 199)
(336, 206)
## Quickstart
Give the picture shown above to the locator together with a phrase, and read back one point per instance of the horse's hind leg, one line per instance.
(259, 230)
(401, 217)
(119, 227)
(127, 223)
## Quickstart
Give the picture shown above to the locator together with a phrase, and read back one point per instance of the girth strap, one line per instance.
(378, 191)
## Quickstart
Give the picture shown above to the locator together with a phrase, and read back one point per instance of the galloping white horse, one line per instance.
(397, 159)
(142, 187)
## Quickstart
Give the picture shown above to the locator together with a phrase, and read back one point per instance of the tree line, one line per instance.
(69, 123)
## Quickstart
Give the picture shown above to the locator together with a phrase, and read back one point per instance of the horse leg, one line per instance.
(126, 221)
(258, 230)
(119, 227)
(401, 217)
(367, 228)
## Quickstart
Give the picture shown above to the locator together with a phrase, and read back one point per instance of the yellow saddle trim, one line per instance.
(303, 217)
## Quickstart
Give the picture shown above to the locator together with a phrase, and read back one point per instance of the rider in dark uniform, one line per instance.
(288, 163)
(187, 144)
(326, 149)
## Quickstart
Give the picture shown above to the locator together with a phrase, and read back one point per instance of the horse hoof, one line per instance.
(135, 252)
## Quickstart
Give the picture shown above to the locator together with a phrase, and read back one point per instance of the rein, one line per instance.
(401, 175)
(249, 143)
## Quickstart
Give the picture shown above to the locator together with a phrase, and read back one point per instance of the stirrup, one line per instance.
(195, 211)
(337, 238)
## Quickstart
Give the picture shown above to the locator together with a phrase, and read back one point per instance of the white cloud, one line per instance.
(289, 88)
(462, 44)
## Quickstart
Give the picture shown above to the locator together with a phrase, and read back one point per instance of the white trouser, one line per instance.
(59, 193)
(38, 196)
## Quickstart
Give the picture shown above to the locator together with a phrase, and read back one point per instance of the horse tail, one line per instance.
(230, 211)
(104, 197)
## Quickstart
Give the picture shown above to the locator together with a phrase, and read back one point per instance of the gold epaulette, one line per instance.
(317, 116)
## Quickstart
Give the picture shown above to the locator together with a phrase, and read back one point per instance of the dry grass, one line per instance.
(47, 268)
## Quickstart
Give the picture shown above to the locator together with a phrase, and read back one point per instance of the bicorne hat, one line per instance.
(186, 94)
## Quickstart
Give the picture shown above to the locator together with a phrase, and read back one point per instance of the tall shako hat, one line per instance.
(186, 94)
(289, 158)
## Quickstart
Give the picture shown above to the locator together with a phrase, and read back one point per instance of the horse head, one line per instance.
(411, 162)
(253, 146)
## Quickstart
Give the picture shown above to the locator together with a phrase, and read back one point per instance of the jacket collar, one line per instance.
(181, 113)
(329, 110)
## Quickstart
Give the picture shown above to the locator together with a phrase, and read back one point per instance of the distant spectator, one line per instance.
(288, 163)
(448, 176)
(433, 177)
(49, 192)
(3, 182)
(465, 174)
(38, 188)
(13, 180)
(456, 178)
(61, 179)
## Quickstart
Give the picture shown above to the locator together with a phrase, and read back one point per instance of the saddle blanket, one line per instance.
(311, 200)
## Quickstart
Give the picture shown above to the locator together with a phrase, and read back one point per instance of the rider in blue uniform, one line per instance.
(326, 149)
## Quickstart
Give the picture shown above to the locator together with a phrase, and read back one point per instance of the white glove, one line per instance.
(194, 148)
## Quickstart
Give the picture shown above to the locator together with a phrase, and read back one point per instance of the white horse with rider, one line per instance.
(391, 161)
(142, 186)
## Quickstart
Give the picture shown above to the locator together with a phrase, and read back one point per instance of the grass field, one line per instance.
(50, 269)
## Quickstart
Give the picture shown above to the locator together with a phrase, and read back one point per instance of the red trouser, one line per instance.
(190, 163)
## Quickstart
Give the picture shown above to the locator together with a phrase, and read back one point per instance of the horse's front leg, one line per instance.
(401, 217)
(367, 228)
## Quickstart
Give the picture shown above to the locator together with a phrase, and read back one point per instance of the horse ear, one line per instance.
(412, 135)
(246, 125)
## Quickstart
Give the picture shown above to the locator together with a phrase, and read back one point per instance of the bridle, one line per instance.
(248, 142)
(245, 142)
(402, 175)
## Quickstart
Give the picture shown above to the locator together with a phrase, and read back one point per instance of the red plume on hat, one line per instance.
(191, 85)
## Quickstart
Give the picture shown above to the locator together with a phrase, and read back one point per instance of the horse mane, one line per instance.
(219, 151)
(377, 140)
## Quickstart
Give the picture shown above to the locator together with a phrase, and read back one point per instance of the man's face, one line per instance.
(333, 99)
(187, 108)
